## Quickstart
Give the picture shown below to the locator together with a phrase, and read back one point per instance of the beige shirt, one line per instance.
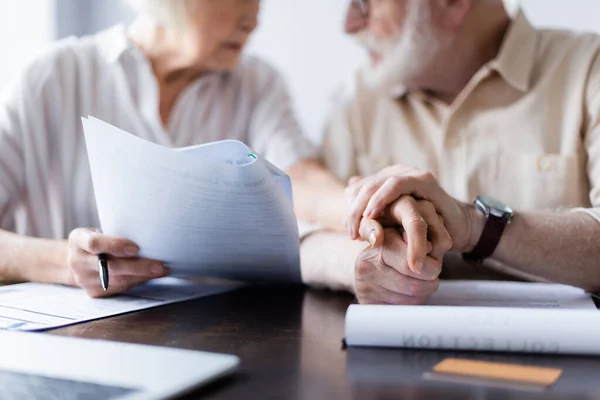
(45, 183)
(525, 130)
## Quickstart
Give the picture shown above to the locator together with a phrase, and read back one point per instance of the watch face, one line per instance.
(495, 207)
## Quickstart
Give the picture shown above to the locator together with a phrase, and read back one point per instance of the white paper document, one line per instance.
(511, 317)
(510, 294)
(210, 210)
(36, 306)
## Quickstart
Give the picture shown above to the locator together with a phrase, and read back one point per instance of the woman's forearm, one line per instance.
(328, 260)
(318, 195)
(31, 259)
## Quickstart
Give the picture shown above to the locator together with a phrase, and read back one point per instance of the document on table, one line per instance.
(36, 307)
(510, 294)
(210, 210)
(487, 316)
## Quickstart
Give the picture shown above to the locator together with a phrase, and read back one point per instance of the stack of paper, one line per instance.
(210, 210)
(488, 316)
(37, 306)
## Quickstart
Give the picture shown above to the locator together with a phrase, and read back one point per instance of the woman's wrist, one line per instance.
(54, 254)
(35, 260)
(62, 274)
(332, 213)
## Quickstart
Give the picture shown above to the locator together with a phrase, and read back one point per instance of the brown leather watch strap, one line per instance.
(490, 237)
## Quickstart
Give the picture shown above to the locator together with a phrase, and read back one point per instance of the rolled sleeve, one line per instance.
(275, 131)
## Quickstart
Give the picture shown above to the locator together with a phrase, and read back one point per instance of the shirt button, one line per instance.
(543, 164)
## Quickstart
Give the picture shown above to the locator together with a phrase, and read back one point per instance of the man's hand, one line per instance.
(370, 197)
(383, 276)
(421, 226)
(126, 270)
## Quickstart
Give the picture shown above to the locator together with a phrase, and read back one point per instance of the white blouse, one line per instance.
(45, 183)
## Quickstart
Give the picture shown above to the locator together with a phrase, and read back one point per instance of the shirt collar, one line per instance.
(113, 43)
(514, 62)
(516, 59)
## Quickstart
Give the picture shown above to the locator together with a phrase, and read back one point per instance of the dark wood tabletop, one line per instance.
(289, 341)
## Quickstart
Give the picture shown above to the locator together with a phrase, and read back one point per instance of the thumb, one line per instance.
(371, 231)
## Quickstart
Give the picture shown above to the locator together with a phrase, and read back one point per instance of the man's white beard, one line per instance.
(403, 57)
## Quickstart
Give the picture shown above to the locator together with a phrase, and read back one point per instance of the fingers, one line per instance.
(136, 267)
(125, 269)
(419, 185)
(407, 213)
(377, 284)
(358, 199)
(436, 231)
(384, 296)
(429, 245)
(394, 254)
(118, 284)
(382, 275)
(392, 297)
(411, 287)
(95, 243)
(423, 227)
(124, 274)
(142, 267)
(371, 231)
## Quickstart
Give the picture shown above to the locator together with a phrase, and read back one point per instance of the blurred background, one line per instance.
(303, 39)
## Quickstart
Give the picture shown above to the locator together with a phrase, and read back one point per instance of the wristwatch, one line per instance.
(497, 215)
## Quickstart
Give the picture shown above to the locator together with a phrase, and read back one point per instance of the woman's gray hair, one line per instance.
(170, 13)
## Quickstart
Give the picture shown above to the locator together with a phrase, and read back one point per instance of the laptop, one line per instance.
(39, 366)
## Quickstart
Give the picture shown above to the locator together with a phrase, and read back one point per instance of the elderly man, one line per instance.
(463, 102)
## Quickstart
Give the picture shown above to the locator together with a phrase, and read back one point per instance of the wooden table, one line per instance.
(289, 340)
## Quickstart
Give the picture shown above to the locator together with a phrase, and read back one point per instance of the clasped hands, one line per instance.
(410, 223)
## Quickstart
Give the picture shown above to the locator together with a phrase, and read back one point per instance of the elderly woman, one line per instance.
(176, 77)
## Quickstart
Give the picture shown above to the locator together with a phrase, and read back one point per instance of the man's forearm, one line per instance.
(328, 260)
(318, 195)
(561, 247)
(30, 259)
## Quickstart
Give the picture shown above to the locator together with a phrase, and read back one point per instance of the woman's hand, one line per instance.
(370, 198)
(126, 270)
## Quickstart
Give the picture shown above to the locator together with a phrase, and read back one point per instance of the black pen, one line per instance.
(103, 268)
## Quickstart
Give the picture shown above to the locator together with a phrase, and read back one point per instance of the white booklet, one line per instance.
(486, 316)
(211, 210)
(38, 306)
